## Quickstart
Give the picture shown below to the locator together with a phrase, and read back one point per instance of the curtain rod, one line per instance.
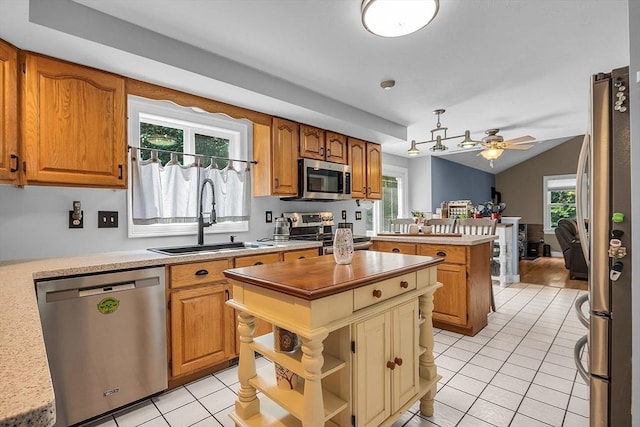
(253, 162)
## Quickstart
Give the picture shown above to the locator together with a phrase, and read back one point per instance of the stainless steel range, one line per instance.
(319, 226)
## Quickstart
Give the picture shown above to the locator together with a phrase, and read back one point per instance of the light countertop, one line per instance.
(463, 240)
(26, 389)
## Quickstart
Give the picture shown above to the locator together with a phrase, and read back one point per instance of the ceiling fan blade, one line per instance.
(518, 147)
(519, 140)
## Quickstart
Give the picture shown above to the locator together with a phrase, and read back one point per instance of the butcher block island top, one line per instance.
(364, 334)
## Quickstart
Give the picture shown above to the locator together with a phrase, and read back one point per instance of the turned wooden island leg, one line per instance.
(312, 361)
(247, 404)
(428, 368)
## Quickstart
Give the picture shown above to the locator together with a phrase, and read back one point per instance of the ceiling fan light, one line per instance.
(467, 142)
(413, 150)
(395, 18)
(492, 153)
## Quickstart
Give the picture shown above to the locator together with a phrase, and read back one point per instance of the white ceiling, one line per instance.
(519, 65)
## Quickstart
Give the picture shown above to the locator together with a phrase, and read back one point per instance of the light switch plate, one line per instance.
(107, 219)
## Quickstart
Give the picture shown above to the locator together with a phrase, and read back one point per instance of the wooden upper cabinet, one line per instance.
(322, 145)
(336, 148)
(73, 124)
(374, 171)
(276, 151)
(9, 160)
(365, 159)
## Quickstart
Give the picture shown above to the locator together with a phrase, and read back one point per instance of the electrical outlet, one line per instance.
(344, 214)
(107, 219)
(76, 219)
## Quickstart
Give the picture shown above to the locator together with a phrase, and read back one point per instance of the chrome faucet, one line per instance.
(212, 220)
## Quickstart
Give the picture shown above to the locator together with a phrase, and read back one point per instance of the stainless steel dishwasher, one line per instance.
(105, 336)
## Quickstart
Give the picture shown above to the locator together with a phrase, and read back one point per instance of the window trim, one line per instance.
(546, 205)
(200, 121)
(403, 194)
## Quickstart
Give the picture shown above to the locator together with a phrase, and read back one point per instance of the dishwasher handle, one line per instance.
(106, 289)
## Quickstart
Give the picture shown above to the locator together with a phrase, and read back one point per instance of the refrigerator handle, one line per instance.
(577, 353)
(578, 305)
(582, 163)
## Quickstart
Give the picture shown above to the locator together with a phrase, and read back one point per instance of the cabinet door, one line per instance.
(199, 333)
(8, 113)
(358, 163)
(450, 301)
(284, 159)
(374, 171)
(312, 142)
(372, 376)
(404, 354)
(73, 124)
(336, 148)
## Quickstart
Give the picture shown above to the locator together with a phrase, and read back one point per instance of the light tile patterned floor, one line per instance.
(518, 371)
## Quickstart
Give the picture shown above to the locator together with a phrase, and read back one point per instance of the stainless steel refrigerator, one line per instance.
(604, 222)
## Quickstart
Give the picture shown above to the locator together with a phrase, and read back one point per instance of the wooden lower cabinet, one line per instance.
(395, 247)
(385, 368)
(450, 301)
(200, 324)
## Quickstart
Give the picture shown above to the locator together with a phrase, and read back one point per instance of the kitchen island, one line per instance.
(464, 301)
(366, 337)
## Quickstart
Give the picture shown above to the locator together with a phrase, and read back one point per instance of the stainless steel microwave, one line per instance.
(319, 180)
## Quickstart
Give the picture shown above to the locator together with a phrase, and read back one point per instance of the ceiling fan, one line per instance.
(494, 145)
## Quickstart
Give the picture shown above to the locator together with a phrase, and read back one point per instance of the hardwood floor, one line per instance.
(549, 271)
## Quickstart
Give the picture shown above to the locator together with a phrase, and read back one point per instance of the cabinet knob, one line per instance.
(391, 365)
(202, 272)
(441, 253)
(395, 250)
(404, 284)
(377, 293)
(258, 263)
(398, 361)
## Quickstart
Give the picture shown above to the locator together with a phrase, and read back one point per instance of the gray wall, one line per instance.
(634, 100)
(452, 181)
(420, 189)
(521, 186)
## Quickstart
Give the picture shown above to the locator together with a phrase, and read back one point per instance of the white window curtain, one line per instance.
(169, 193)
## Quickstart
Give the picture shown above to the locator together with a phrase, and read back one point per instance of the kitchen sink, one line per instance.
(213, 247)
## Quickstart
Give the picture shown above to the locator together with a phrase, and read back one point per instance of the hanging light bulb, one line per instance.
(438, 146)
(467, 142)
(413, 151)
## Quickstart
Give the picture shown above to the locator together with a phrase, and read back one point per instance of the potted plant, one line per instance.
(418, 215)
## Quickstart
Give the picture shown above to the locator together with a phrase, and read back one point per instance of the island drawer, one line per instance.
(382, 291)
(247, 261)
(451, 254)
(300, 254)
(195, 273)
(395, 247)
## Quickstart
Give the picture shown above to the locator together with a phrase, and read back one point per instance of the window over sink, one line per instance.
(180, 147)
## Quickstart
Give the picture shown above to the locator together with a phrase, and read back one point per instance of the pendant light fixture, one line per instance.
(395, 18)
(439, 134)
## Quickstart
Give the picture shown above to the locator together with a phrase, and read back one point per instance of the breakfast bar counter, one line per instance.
(365, 334)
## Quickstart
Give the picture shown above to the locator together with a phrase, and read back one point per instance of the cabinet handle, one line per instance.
(226, 294)
(120, 169)
(377, 293)
(391, 365)
(258, 263)
(395, 250)
(328, 152)
(368, 190)
(17, 159)
(322, 151)
(301, 257)
(364, 190)
(404, 284)
(441, 253)
(398, 361)
(202, 272)
(277, 182)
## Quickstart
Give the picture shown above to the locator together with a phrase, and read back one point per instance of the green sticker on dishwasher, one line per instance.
(108, 305)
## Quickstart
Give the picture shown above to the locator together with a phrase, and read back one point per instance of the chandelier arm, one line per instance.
(441, 139)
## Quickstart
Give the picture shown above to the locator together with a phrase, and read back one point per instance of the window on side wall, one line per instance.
(394, 200)
(163, 191)
(559, 200)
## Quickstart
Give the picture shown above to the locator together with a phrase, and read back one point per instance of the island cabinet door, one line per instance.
(372, 377)
(450, 301)
(199, 335)
(404, 354)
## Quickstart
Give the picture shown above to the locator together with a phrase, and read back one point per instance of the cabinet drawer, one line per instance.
(395, 247)
(198, 272)
(450, 253)
(247, 261)
(382, 291)
(303, 253)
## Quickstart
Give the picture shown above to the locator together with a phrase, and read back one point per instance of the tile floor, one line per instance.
(518, 371)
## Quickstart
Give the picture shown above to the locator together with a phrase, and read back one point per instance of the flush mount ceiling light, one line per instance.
(395, 18)
(387, 84)
(439, 134)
